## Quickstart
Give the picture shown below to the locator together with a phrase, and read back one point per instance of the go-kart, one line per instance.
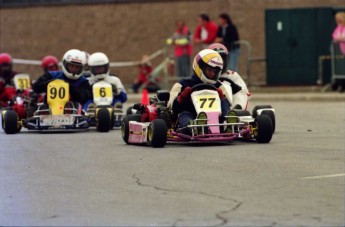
(59, 114)
(101, 113)
(155, 124)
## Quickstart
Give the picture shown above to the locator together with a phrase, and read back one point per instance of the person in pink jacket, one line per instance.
(339, 31)
(206, 32)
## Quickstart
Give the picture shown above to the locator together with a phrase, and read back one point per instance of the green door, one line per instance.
(293, 45)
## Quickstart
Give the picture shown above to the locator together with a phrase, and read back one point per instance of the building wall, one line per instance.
(127, 31)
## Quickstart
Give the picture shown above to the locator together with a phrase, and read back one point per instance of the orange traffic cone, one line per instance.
(145, 97)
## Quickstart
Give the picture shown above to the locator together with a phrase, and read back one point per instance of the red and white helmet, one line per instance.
(50, 63)
(223, 52)
(208, 60)
(73, 63)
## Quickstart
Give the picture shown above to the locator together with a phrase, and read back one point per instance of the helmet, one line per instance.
(99, 65)
(73, 63)
(5, 62)
(87, 56)
(207, 63)
(223, 52)
(5, 58)
(50, 63)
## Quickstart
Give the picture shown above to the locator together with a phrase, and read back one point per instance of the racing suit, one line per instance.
(119, 92)
(7, 89)
(79, 90)
(186, 111)
(235, 85)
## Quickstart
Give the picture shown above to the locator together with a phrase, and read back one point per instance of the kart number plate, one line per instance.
(207, 102)
(56, 120)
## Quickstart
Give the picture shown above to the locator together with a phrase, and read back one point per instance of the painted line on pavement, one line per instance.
(325, 176)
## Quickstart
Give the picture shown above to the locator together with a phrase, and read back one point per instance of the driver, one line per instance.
(7, 89)
(72, 69)
(99, 69)
(207, 67)
(240, 92)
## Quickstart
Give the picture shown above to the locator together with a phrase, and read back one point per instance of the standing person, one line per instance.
(228, 35)
(339, 31)
(145, 70)
(206, 32)
(339, 38)
(183, 48)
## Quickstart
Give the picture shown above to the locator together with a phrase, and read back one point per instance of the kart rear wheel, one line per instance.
(271, 115)
(264, 130)
(2, 119)
(125, 125)
(10, 122)
(157, 133)
(129, 110)
(103, 120)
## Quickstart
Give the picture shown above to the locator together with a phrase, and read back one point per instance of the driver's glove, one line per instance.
(184, 95)
(220, 93)
(115, 90)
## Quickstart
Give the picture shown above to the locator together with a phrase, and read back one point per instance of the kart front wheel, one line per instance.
(271, 115)
(10, 122)
(157, 133)
(125, 125)
(264, 130)
(103, 120)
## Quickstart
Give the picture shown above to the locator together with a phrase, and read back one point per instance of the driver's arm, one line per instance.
(40, 85)
(174, 92)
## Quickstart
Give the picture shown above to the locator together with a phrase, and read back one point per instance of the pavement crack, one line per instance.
(218, 215)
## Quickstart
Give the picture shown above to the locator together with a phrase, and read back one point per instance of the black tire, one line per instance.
(129, 110)
(157, 133)
(256, 108)
(2, 119)
(10, 122)
(271, 115)
(241, 113)
(264, 130)
(125, 125)
(103, 120)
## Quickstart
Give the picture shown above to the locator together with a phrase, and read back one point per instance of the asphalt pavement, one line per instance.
(95, 179)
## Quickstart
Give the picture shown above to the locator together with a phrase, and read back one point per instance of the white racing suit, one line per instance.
(235, 85)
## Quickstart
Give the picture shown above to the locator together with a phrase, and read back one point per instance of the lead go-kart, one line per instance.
(101, 113)
(155, 124)
(59, 114)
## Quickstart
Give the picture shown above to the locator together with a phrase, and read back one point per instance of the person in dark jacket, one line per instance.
(228, 35)
(72, 69)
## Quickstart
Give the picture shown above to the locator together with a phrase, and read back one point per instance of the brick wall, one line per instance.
(127, 31)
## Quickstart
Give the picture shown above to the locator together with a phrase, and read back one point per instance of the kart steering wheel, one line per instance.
(199, 87)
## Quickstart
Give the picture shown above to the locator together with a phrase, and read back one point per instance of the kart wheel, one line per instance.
(103, 120)
(271, 115)
(2, 119)
(264, 130)
(157, 133)
(125, 125)
(256, 108)
(129, 110)
(10, 122)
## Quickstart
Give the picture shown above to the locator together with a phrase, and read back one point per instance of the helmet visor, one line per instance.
(73, 67)
(99, 69)
(211, 73)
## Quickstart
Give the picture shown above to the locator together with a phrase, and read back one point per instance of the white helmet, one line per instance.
(99, 65)
(73, 63)
(208, 60)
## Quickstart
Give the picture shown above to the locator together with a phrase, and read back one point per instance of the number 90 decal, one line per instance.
(60, 92)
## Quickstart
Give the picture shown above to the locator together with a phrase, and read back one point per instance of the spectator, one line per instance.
(145, 70)
(339, 31)
(183, 48)
(206, 32)
(228, 35)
